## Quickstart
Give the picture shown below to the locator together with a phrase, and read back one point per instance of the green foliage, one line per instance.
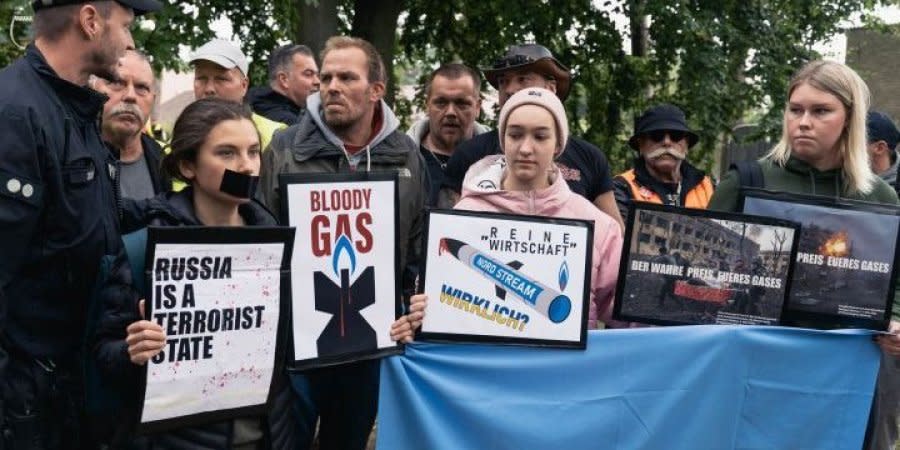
(13, 28)
(183, 24)
(720, 60)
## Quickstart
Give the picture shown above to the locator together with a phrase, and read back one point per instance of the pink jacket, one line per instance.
(481, 191)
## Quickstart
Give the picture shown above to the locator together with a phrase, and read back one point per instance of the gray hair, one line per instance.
(281, 58)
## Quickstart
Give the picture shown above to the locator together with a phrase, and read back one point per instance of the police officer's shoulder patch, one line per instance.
(19, 188)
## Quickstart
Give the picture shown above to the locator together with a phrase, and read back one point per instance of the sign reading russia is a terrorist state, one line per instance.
(344, 270)
(219, 304)
(505, 278)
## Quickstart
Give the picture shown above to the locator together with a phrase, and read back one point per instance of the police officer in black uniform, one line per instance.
(58, 213)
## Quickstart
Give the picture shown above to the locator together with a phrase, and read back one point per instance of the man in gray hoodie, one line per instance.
(347, 127)
(452, 102)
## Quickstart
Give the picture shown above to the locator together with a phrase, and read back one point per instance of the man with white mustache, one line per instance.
(660, 174)
(131, 99)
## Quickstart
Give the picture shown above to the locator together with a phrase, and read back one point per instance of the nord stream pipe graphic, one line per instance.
(546, 301)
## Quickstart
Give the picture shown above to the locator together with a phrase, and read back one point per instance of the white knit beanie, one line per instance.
(545, 99)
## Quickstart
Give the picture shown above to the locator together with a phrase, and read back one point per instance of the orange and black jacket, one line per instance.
(638, 185)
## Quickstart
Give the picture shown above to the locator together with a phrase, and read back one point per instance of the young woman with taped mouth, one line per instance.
(216, 151)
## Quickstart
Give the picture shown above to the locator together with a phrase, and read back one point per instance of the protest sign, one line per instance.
(689, 266)
(219, 294)
(507, 278)
(846, 258)
(345, 274)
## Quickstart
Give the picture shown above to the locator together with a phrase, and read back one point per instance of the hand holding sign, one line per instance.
(403, 329)
(890, 343)
(145, 339)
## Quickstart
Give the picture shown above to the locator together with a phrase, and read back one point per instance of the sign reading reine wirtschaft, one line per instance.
(345, 277)
(689, 266)
(846, 258)
(507, 278)
(219, 294)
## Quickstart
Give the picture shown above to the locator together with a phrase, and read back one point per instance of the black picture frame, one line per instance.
(722, 301)
(221, 235)
(454, 337)
(361, 177)
(796, 314)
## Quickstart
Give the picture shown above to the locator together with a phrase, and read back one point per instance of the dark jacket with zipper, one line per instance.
(273, 105)
(58, 218)
(120, 309)
(153, 154)
(692, 179)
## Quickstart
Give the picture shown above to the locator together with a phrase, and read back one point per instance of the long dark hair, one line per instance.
(193, 126)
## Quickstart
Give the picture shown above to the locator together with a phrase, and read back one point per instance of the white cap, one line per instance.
(223, 53)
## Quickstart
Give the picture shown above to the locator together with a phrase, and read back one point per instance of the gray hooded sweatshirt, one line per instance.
(311, 147)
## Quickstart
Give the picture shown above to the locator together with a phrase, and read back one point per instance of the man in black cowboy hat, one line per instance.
(660, 174)
(582, 165)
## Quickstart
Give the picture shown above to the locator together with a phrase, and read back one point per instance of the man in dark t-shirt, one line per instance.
(452, 103)
(582, 164)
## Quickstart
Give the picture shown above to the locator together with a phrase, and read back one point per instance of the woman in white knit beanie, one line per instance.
(525, 180)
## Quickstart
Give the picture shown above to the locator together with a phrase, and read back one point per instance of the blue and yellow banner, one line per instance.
(697, 387)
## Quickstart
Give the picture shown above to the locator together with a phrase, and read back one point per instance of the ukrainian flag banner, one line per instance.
(697, 387)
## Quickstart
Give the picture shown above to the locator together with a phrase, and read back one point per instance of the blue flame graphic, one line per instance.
(343, 245)
(563, 276)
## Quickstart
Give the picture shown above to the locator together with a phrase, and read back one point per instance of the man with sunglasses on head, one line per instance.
(661, 174)
(581, 164)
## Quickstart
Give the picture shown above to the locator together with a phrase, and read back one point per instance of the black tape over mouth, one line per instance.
(238, 184)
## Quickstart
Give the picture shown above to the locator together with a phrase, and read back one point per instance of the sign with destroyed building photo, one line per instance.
(688, 266)
(845, 264)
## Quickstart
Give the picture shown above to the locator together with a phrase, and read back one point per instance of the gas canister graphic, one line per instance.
(543, 299)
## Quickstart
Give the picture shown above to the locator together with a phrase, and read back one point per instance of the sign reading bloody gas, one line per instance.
(357, 227)
(345, 276)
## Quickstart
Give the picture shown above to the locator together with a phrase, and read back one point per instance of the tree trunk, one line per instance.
(376, 22)
(639, 25)
(318, 22)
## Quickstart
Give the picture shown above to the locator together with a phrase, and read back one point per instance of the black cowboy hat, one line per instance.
(662, 117)
(534, 56)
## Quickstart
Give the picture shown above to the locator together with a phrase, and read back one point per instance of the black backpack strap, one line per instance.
(749, 174)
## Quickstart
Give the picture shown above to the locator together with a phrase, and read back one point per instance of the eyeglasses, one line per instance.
(659, 135)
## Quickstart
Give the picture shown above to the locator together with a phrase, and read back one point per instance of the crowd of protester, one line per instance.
(79, 170)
